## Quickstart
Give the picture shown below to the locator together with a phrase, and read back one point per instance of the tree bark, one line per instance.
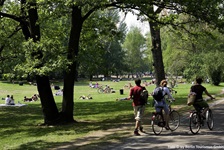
(32, 30)
(49, 108)
(157, 52)
(71, 74)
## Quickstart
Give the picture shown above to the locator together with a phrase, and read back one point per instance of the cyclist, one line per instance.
(199, 103)
(162, 103)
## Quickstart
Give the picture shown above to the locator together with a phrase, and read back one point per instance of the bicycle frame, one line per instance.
(197, 120)
(158, 121)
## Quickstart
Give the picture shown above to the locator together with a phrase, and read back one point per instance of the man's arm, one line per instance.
(206, 92)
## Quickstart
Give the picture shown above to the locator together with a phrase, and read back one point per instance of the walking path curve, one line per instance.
(182, 138)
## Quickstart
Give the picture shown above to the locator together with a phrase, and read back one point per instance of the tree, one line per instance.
(191, 51)
(101, 44)
(160, 13)
(134, 46)
(80, 11)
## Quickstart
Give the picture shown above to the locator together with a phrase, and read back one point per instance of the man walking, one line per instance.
(138, 105)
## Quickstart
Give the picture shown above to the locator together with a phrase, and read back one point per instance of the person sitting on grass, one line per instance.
(59, 93)
(9, 100)
(35, 97)
(12, 100)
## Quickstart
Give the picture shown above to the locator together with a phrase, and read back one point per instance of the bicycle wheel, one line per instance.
(174, 120)
(100, 90)
(157, 123)
(209, 119)
(194, 123)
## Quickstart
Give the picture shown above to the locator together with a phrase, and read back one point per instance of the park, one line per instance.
(70, 44)
(21, 129)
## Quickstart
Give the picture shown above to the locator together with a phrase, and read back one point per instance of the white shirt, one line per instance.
(166, 91)
(7, 100)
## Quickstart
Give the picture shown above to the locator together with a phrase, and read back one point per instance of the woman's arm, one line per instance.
(167, 91)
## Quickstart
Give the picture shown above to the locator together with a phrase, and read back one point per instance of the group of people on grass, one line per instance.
(93, 85)
(139, 108)
(31, 99)
(9, 100)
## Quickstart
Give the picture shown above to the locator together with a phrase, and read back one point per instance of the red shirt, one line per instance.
(135, 95)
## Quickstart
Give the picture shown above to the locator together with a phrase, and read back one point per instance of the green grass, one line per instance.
(19, 125)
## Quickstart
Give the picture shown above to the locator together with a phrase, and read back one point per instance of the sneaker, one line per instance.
(141, 129)
(136, 133)
(202, 122)
(167, 128)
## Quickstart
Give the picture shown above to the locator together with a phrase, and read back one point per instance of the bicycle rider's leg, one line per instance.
(157, 106)
(165, 108)
(198, 106)
(167, 117)
(204, 105)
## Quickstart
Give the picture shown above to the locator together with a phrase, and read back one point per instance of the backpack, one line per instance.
(158, 94)
(144, 97)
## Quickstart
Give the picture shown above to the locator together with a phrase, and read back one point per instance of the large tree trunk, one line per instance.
(71, 74)
(157, 52)
(50, 111)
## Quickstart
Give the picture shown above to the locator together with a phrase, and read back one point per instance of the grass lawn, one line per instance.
(19, 125)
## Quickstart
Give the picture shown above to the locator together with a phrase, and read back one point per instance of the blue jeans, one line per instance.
(162, 104)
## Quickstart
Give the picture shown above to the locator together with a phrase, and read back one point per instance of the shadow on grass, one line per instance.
(22, 122)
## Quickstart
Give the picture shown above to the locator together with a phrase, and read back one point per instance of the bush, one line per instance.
(216, 77)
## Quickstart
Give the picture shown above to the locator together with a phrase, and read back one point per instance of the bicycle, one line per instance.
(106, 89)
(158, 122)
(197, 120)
(128, 86)
(172, 91)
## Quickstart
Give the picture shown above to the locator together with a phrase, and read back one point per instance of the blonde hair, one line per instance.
(163, 83)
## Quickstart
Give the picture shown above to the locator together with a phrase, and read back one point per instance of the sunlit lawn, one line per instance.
(19, 125)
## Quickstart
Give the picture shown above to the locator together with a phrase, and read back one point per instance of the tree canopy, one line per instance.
(45, 38)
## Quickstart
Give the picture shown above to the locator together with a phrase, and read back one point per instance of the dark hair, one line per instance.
(138, 81)
(199, 80)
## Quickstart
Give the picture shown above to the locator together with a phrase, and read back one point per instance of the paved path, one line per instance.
(182, 138)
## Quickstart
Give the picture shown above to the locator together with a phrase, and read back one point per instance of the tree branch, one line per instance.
(18, 19)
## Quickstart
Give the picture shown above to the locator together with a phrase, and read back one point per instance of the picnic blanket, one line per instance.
(16, 105)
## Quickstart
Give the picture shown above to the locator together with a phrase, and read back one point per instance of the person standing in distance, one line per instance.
(137, 104)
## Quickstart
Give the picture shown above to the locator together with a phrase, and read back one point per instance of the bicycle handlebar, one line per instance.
(170, 100)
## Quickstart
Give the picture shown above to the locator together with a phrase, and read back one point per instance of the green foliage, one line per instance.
(54, 20)
(193, 53)
(100, 45)
(136, 51)
(195, 68)
(175, 58)
(214, 65)
(42, 58)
